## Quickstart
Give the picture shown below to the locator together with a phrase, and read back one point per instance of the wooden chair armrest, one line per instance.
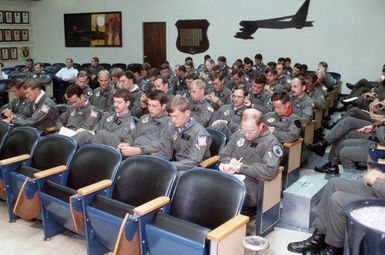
(52, 129)
(50, 171)
(380, 147)
(94, 187)
(305, 125)
(210, 161)
(381, 161)
(280, 169)
(289, 145)
(227, 228)
(151, 205)
(15, 159)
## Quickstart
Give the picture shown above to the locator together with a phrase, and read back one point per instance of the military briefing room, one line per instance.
(201, 127)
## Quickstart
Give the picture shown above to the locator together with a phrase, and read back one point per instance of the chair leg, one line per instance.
(51, 228)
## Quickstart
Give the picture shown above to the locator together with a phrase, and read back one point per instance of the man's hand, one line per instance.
(366, 129)
(217, 122)
(272, 129)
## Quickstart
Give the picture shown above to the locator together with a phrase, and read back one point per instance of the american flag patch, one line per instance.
(202, 141)
(94, 114)
(45, 108)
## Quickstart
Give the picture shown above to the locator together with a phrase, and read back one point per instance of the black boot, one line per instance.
(350, 86)
(328, 168)
(319, 148)
(331, 250)
(314, 243)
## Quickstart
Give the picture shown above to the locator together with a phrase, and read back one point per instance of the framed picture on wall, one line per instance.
(24, 35)
(13, 53)
(7, 35)
(16, 35)
(25, 17)
(4, 54)
(17, 17)
(99, 29)
(1, 17)
(8, 17)
(1, 35)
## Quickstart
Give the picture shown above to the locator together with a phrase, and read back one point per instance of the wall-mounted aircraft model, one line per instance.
(294, 21)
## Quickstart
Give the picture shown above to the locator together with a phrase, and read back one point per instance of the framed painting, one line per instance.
(1, 17)
(13, 53)
(17, 17)
(16, 35)
(4, 54)
(99, 29)
(25, 17)
(8, 17)
(1, 35)
(7, 35)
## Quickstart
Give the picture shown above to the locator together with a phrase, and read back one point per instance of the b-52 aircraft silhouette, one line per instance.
(296, 21)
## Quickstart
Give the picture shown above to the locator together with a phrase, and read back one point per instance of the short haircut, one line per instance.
(323, 64)
(222, 59)
(179, 103)
(16, 83)
(198, 83)
(74, 90)
(237, 72)
(125, 94)
(217, 75)
(301, 80)
(252, 114)
(283, 96)
(288, 59)
(29, 60)
(130, 75)
(158, 95)
(242, 87)
(146, 66)
(206, 57)
(281, 60)
(312, 77)
(248, 61)
(258, 56)
(69, 59)
(272, 64)
(32, 84)
(82, 74)
(154, 72)
(189, 63)
(271, 70)
(116, 72)
(188, 59)
(96, 59)
(298, 66)
(260, 79)
(135, 68)
(181, 68)
(192, 75)
(212, 62)
(39, 64)
(104, 73)
(164, 67)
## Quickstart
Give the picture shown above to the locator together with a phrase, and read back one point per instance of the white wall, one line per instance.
(348, 34)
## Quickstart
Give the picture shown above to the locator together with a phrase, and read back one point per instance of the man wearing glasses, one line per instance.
(252, 151)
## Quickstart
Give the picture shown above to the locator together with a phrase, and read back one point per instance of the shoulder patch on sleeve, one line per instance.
(45, 108)
(210, 109)
(277, 150)
(202, 141)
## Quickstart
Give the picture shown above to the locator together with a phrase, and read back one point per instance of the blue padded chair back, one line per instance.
(53, 150)
(207, 197)
(4, 130)
(20, 140)
(143, 178)
(92, 163)
(218, 141)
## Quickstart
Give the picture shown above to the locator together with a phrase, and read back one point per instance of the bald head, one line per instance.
(252, 114)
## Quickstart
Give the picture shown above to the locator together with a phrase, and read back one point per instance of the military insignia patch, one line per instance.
(175, 136)
(277, 151)
(97, 94)
(271, 120)
(210, 109)
(109, 119)
(94, 114)
(73, 113)
(145, 120)
(45, 108)
(132, 125)
(227, 112)
(241, 142)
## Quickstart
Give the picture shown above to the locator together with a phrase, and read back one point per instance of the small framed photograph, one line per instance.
(7, 35)
(4, 54)
(17, 17)
(1, 17)
(25, 17)
(13, 53)
(1, 35)
(24, 35)
(8, 17)
(16, 35)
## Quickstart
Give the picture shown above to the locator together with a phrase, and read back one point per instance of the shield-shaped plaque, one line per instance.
(192, 36)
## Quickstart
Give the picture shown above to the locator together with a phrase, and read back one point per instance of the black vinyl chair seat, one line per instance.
(218, 141)
(112, 206)
(27, 170)
(58, 191)
(180, 227)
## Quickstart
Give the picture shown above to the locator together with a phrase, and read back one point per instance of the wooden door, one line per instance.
(154, 43)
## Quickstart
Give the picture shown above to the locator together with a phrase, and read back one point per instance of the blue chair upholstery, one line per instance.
(217, 144)
(92, 163)
(141, 179)
(203, 200)
(52, 151)
(18, 148)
